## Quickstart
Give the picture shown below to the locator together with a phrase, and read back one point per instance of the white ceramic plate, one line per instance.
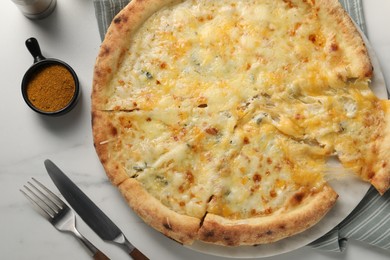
(351, 191)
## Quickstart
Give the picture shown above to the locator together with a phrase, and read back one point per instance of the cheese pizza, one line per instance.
(215, 119)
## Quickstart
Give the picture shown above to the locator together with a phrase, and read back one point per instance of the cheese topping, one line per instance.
(236, 105)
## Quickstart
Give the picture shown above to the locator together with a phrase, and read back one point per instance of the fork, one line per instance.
(58, 214)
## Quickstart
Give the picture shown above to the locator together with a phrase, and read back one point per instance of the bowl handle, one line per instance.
(33, 47)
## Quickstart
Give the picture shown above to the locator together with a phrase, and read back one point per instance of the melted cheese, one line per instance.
(239, 103)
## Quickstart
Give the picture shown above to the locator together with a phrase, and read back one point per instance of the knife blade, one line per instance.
(95, 218)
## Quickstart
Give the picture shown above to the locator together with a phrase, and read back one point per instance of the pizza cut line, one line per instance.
(215, 119)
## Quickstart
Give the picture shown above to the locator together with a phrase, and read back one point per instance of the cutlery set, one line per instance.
(63, 218)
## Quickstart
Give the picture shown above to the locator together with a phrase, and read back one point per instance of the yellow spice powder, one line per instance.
(51, 88)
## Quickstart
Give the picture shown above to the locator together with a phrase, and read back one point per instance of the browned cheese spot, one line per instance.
(297, 198)
(334, 47)
(256, 177)
(212, 131)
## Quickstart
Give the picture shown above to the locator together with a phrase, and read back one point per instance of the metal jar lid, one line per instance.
(36, 9)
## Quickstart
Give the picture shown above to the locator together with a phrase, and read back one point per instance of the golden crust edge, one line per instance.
(362, 69)
(263, 230)
(381, 179)
(182, 228)
(103, 132)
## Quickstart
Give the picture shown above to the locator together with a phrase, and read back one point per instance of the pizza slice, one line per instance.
(363, 144)
(351, 123)
(269, 187)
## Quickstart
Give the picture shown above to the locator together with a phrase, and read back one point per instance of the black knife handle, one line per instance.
(137, 255)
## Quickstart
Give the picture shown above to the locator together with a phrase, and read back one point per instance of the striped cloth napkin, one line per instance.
(370, 220)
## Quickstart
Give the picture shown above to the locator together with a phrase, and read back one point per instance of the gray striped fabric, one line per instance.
(355, 10)
(370, 221)
(105, 10)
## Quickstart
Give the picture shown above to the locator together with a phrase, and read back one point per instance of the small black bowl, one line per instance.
(41, 62)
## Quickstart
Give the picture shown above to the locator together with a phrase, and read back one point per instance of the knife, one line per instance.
(89, 212)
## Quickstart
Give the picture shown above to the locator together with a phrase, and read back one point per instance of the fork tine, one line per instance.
(54, 198)
(43, 198)
(37, 205)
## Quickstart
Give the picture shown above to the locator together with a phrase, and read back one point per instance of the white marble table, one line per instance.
(27, 138)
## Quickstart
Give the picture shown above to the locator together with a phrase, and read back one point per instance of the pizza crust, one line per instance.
(381, 168)
(229, 232)
(181, 228)
(360, 65)
(104, 134)
(262, 230)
